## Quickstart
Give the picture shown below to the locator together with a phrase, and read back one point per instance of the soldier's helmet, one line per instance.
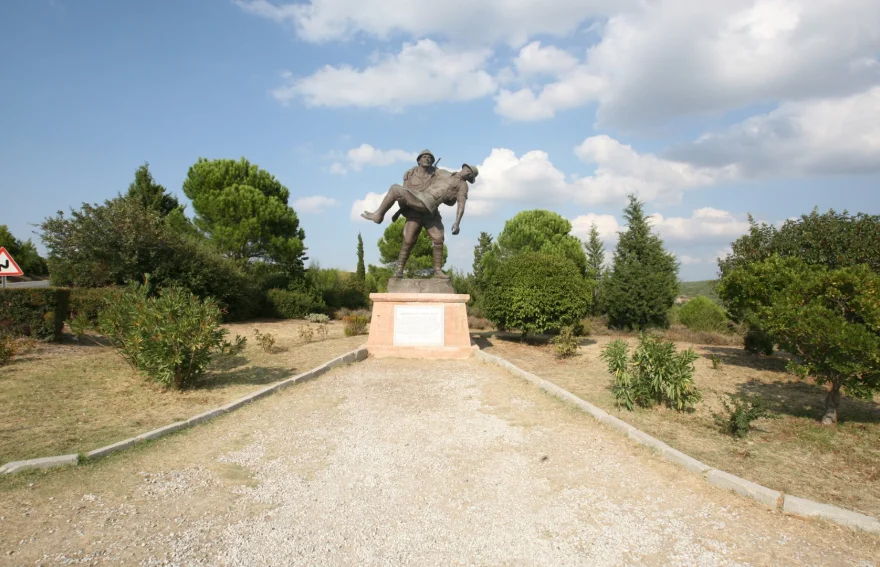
(473, 169)
(428, 153)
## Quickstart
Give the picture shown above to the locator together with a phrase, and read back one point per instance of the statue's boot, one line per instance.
(379, 214)
(402, 258)
(438, 263)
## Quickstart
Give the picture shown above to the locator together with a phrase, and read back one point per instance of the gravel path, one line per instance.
(397, 462)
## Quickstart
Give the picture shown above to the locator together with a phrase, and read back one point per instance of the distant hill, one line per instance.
(693, 289)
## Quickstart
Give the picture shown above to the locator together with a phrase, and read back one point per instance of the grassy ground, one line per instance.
(72, 397)
(790, 452)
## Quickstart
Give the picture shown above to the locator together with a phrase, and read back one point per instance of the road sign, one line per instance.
(8, 267)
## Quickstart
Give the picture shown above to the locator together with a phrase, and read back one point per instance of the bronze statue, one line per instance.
(424, 188)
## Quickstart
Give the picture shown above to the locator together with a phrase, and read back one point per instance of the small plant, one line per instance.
(8, 349)
(265, 340)
(716, 361)
(322, 332)
(654, 374)
(355, 325)
(306, 333)
(317, 318)
(739, 413)
(566, 343)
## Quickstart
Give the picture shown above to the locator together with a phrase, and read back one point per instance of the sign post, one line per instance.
(8, 267)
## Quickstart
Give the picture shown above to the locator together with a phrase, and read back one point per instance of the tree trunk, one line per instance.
(832, 401)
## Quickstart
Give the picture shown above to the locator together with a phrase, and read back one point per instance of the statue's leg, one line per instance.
(434, 228)
(394, 193)
(410, 233)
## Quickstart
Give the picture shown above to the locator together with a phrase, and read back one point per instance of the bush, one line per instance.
(478, 323)
(739, 413)
(293, 304)
(566, 342)
(356, 325)
(89, 302)
(535, 293)
(317, 318)
(34, 312)
(265, 340)
(170, 337)
(703, 314)
(306, 333)
(8, 349)
(655, 374)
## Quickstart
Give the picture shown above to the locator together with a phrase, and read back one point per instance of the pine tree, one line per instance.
(595, 259)
(483, 246)
(150, 194)
(644, 277)
(361, 268)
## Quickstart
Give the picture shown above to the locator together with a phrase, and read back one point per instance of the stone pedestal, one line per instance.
(419, 325)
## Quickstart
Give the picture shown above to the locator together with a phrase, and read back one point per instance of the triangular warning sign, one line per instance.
(8, 267)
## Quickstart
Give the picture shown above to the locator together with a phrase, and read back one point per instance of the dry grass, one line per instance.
(790, 452)
(67, 398)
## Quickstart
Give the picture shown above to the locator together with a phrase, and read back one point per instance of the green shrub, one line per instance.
(655, 374)
(566, 342)
(739, 413)
(34, 312)
(89, 302)
(170, 337)
(536, 292)
(716, 361)
(703, 314)
(317, 318)
(293, 304)
(356, 325)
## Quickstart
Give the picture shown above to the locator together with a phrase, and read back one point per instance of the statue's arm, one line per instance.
(462, 199)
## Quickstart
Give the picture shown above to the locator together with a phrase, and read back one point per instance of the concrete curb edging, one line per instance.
(771, 498)
(357, 355)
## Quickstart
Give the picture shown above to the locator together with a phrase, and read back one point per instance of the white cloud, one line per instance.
(365, 154)
(422, 73)
(370, 203)
(704, 225)
(314, 204)
(574, 89)
(534, 59)
(606, 225)
(488, 21)
(799, 138)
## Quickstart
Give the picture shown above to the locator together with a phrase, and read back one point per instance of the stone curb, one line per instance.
(357, 355)
(770, 498)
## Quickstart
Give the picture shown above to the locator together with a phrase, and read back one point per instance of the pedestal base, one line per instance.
(419, 325)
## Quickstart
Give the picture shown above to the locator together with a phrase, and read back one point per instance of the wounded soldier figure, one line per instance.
(420, 208)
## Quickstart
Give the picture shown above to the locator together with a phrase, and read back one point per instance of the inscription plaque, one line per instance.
(418, 325)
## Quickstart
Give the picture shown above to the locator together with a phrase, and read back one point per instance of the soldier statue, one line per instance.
(424, 188)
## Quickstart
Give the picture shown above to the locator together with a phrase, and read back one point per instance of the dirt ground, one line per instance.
(78, 396)
(402, 463)
(790, 452)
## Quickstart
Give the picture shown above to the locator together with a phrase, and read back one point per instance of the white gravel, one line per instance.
(443, 463)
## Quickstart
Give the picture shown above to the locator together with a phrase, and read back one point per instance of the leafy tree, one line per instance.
(703, 314)
(377, 278)
(595, 250)
(538, 231)
(24, 253)
(361, 269)
(828, 318)
(536, 292)
(121, 240)
(643, 282)
(421, 258)
(830, 239)
(150, 194)
(243, 210)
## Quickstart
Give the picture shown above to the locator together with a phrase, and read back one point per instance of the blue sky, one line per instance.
(707, 112)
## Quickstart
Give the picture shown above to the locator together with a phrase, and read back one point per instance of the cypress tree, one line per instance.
(595, 259)
(644, 277)
(361, 269)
